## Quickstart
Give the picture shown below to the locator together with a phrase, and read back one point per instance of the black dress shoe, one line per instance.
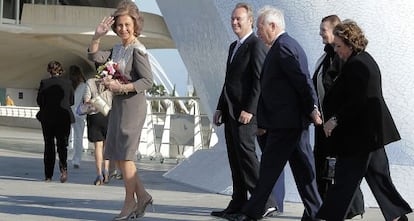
(222, 213)
(352, 215)
(403, 218)
(270, 212)
(238, 217)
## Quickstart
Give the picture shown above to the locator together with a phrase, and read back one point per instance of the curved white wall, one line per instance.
(202, 32)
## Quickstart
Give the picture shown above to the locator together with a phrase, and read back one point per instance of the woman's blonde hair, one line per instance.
(352, 35)
(129, 8)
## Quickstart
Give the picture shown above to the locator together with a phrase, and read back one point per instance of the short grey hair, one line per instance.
(272, 14)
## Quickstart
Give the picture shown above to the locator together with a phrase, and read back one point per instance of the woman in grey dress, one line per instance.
(129, 103)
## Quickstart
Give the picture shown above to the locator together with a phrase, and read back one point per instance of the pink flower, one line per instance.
(110, 69)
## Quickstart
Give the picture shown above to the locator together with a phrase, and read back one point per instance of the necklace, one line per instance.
(133, 41)
(121, 53)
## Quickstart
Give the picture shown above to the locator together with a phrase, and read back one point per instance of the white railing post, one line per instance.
(147, 142)
(165, 139)
(1, 12)
(17, 12)
(198, 138)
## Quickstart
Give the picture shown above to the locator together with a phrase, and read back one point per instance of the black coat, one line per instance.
(364, 121)
(55, 96)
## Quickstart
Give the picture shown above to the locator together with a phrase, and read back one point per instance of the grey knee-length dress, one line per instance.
(128, 111)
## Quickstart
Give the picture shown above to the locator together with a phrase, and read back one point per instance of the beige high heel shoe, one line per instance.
(131, 215)
(140, 210)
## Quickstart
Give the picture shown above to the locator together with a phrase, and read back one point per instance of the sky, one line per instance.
(169, 59)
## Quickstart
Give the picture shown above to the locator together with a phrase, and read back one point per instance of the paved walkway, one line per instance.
(24, 195)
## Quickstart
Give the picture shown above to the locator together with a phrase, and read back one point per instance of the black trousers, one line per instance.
(349, 172)
(321, 152)
(244, 165)
(278, 193)
(59, 131)
(283, 145)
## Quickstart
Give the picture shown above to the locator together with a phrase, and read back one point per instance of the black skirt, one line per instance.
(97, 127)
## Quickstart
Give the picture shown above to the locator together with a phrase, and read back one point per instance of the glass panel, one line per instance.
(9, 9)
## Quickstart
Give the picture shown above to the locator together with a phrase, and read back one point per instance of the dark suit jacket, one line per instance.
(364, 121)
(242, 81)
(288, 96)
(329, 66)
(55, 96)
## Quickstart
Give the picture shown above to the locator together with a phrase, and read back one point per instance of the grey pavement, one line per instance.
(25, 196)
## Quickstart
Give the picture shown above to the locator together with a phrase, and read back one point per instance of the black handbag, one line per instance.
(329, 169)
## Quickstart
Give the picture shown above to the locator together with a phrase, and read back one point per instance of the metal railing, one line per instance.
(169, 130)
(17, 111)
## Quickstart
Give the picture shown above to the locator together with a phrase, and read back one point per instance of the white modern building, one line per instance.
(34, 32)
(202, 33)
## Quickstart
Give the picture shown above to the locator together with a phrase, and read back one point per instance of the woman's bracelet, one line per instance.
(96, 41)
(335, 120)
(124, 89)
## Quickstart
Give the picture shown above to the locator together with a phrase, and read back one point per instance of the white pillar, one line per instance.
(198, 137)
(165, 139)
(147, 142)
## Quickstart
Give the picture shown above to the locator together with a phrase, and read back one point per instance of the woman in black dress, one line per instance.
(358, 126)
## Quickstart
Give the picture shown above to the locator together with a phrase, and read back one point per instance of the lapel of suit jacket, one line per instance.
(232, 46)
(244, 46)
(339, 77)
(271, 53)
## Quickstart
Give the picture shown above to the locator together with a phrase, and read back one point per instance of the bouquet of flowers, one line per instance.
(110, 69)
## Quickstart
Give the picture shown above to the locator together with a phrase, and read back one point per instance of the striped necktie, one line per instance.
(235, 49)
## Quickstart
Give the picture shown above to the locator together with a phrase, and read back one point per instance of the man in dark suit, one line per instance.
(286, 107)
(55, 96)
(237, 108)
